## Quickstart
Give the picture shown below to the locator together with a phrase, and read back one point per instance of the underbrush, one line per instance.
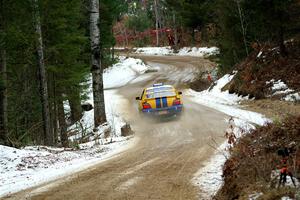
(255, 160)
(265, 64)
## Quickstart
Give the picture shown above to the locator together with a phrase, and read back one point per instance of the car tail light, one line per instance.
(176, 102)
(146, 106)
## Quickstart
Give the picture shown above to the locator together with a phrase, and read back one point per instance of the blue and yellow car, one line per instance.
(160, 100)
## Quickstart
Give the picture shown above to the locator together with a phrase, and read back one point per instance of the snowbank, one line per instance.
(185, 51)
(154, 51)
(225, 102)
(123, 72)
(32, 166)
(209, 178)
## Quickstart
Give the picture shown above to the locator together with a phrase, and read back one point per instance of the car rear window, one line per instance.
(160, 92)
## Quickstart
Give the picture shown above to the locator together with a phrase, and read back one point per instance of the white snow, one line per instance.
(120, 74)
(185, 51)
(123, 72)
(292, 97)
(280, 88)
(209, 178)
(277, 85)
(31, 166)
(286, 198)
(259, 54)
(154, 50)
(198, 52)
(21, 169)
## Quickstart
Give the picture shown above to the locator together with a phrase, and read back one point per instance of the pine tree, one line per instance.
(3, 79)
(49, 139)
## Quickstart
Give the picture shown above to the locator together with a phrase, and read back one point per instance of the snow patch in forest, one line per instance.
(280, 88)
(292, 97)
(185, 51)
(209, 178)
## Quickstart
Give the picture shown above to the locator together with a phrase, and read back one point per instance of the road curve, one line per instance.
(167, 155)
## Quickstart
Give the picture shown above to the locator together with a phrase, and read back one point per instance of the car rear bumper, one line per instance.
(163, 111)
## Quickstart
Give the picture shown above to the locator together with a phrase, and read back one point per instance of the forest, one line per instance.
(49, 47)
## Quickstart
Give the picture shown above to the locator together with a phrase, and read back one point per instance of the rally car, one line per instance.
(162, 100)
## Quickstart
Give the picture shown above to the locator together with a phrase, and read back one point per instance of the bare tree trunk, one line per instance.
(54, 109)
(75, 106)
(242, 21)
(99, 106)
(282, 47)
(175, 30)
(48, 134)
(156, 22)
(3, 99)
(124, 41)
(62, 124)
(126, 37)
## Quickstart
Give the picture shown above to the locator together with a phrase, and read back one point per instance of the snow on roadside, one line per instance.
(185, 51)
(32, 166)
(209, 178)
(123, 72)
(29, 167)
(154, 50)
(280, 88)
(225, 102)
(198, 52)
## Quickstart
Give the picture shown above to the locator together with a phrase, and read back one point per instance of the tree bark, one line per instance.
(54, 109)
(48, 133)
(3, 84)
(62, 124)
(282, 48)
(156, 22)
(75, 107)
(175, 30)
(242, 21)
(99, 106)
(3, 99)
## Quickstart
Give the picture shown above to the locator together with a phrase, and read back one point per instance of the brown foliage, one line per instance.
(255, 70)
(255, 156)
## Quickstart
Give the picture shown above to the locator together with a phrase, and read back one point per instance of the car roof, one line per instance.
(160, 87)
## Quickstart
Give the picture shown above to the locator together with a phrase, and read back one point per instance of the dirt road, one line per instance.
(166, 156)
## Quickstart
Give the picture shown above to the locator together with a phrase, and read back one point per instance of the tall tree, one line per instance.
(98, 93)
(3, 80)
(49, 139)
(156, 21)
